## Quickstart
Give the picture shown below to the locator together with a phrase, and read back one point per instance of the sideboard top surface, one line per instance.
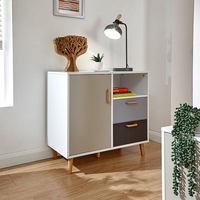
(99, 72)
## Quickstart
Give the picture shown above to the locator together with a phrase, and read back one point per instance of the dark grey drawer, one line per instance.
(129, 132)
(125, 110)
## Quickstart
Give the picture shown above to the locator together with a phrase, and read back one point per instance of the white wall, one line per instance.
(170, 45)
(196, 55)
(159, 63)
(182, 54)
(23, 127)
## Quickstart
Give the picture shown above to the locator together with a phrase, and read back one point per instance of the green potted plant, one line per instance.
(98, 61)
(183, 148)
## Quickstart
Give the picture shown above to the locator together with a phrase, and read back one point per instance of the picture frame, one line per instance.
(69, 8)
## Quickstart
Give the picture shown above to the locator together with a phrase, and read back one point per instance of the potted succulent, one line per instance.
(184, 152)
(98, 61)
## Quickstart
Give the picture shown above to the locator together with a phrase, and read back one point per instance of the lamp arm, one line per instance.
(126, 43)
(126, 28)
(126, 35)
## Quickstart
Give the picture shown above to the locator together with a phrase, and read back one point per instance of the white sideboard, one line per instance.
(83, 117)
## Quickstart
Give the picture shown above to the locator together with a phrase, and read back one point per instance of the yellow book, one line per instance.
(124, 94)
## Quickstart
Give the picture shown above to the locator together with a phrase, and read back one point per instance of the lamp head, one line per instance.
(113, 31)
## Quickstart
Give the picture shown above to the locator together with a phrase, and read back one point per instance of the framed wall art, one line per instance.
(69, 8)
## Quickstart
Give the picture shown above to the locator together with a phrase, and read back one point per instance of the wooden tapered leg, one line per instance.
(70, 165)
(54, 154)
(98, 155)
(142, 151)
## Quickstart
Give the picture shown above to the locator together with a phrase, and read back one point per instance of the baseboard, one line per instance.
(24, 157)
(155, 136)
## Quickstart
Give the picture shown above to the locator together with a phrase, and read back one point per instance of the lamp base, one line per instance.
(123, 69)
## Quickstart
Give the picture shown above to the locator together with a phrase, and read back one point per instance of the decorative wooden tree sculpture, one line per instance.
(71, 47)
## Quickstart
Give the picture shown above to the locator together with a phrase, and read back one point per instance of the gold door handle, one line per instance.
(108, 96)
(131, 125)
(131, 102)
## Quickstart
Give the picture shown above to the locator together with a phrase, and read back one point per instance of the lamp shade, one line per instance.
(113, 31)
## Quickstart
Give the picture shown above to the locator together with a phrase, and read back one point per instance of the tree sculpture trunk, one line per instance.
(71, 47)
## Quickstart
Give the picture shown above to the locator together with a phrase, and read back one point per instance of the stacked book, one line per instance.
(122, 92)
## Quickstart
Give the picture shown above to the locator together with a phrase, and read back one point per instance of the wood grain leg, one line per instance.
(98, 155)
(70, 165)
(142, 151)
(55, 156)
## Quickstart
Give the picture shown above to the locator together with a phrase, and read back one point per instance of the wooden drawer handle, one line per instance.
(107, 96)
(131, 125)
(131, 102)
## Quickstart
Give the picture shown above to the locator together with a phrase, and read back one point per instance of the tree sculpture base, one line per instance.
(71, 47)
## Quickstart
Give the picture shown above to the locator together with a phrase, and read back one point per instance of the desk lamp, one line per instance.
(113, 31)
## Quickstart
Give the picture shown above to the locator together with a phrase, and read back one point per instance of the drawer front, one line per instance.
(125, 110)
(129, 132)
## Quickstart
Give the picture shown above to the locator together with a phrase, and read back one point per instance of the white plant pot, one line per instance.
(98, 65)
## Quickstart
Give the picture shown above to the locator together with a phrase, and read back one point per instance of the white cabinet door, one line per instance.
(90, 113)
